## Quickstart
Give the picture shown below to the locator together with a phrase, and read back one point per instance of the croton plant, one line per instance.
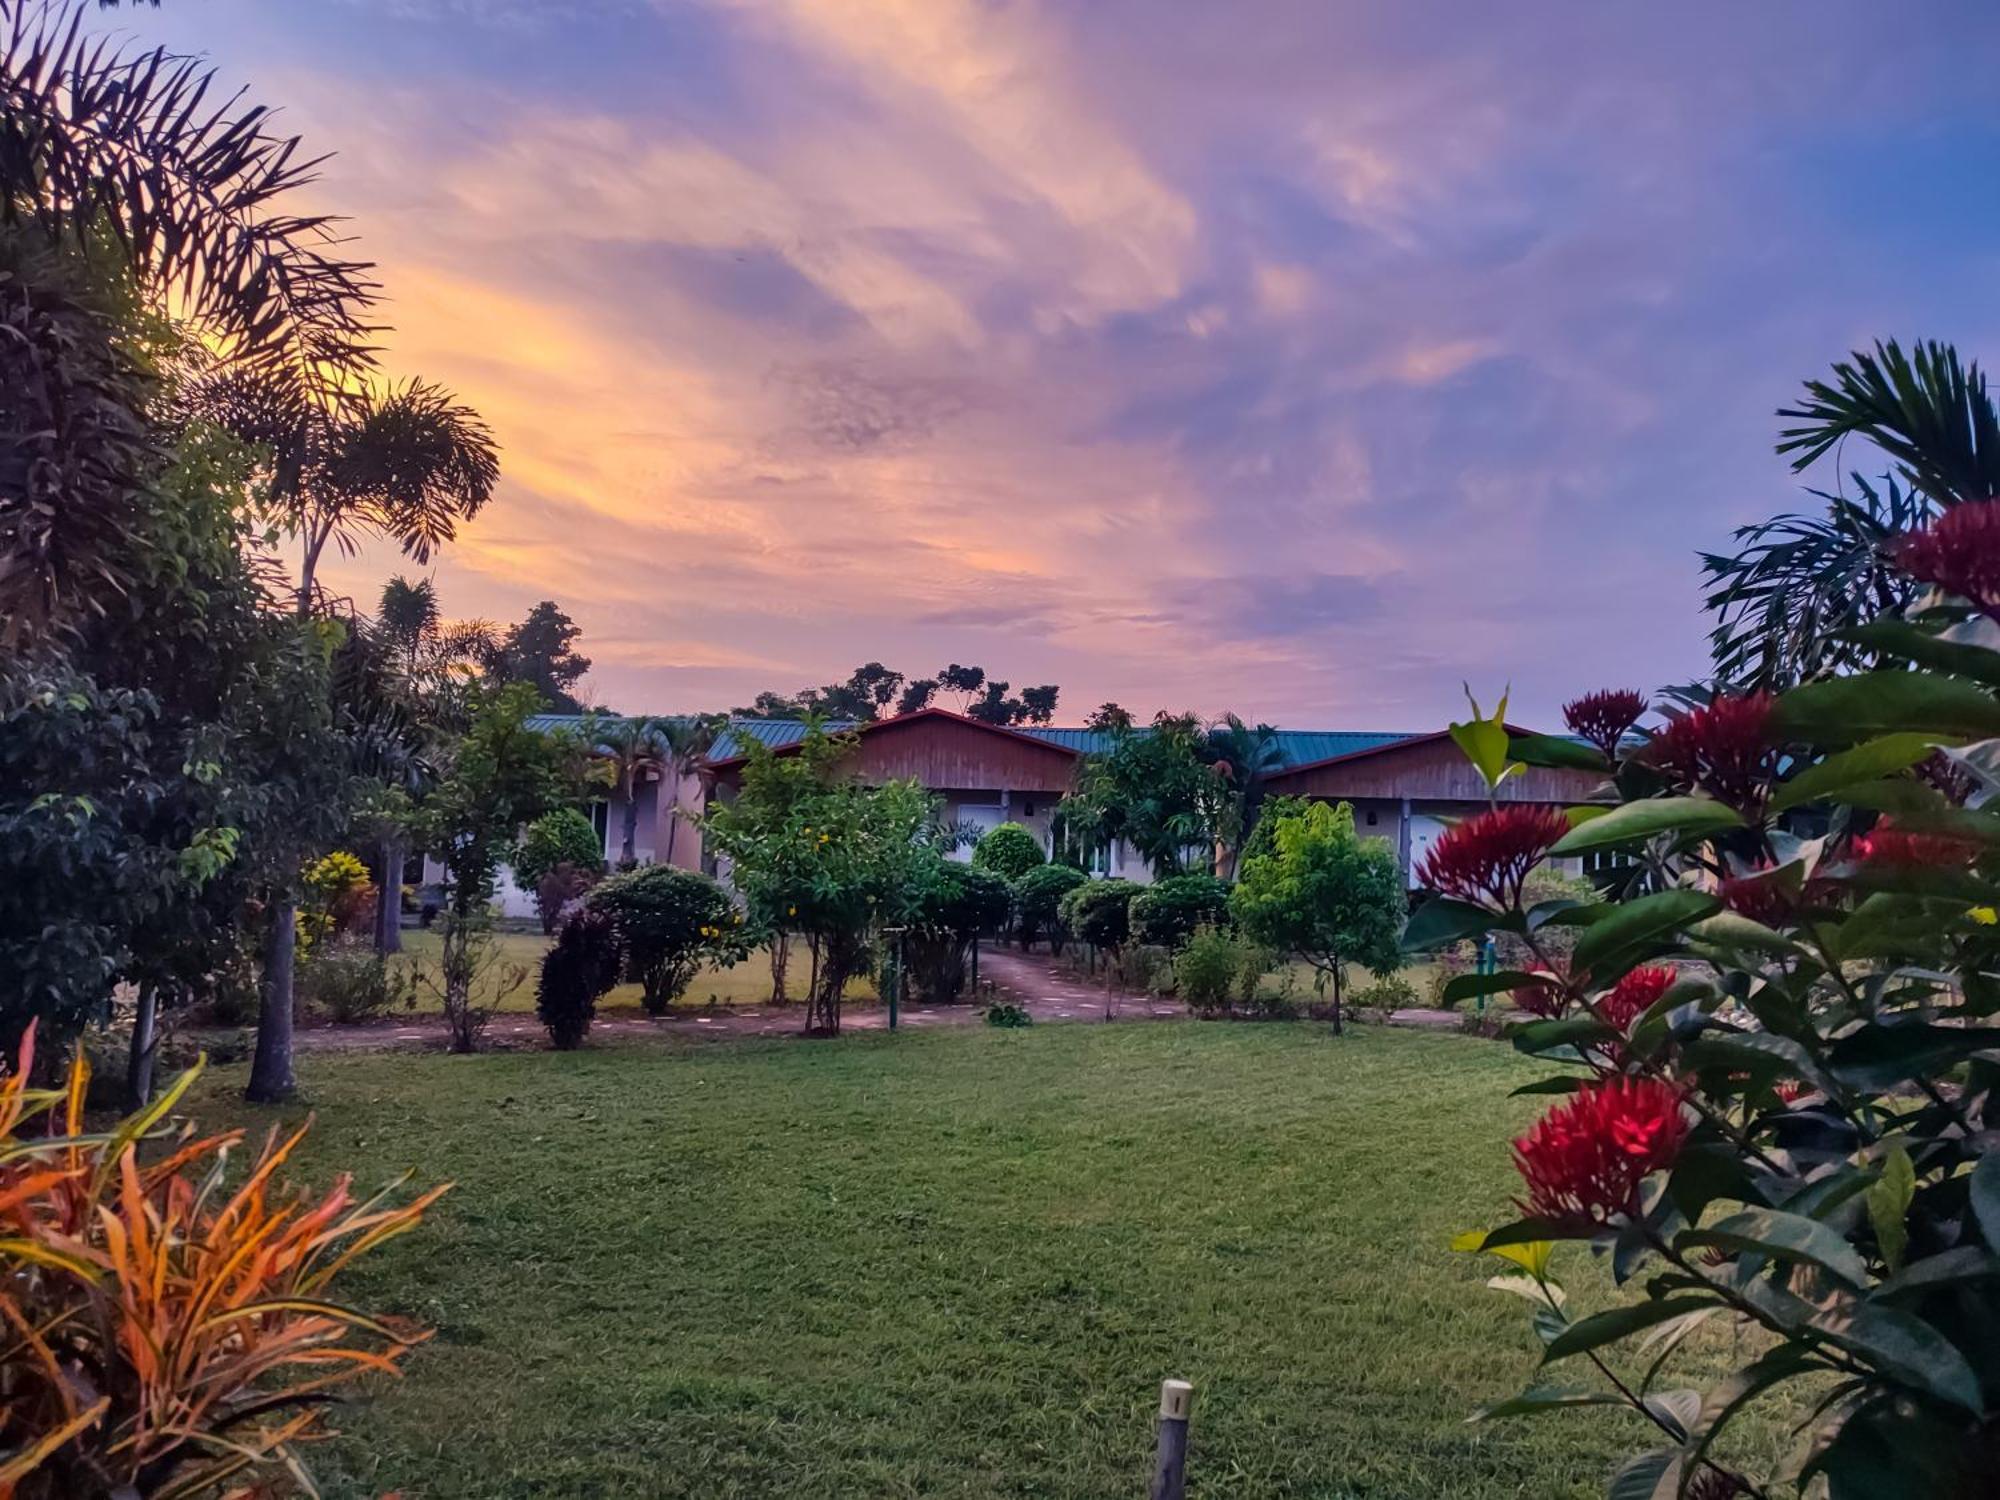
(1776, 1055)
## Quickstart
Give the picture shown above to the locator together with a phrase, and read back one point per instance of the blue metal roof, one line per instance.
(1296, 747)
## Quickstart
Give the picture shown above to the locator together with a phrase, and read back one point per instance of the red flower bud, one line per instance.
(1485, 859)
(1633, 996)
(1960, 553)
(1726, 748)
(1604, 718)
(1891, 847)
(1584, 1160)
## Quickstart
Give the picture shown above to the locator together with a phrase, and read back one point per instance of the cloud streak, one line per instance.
(1294, 360)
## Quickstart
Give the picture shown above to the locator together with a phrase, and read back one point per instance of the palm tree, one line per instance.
(1245, 756)
(1797, 580)
(408, 616)
(683, 743)
(633, 750)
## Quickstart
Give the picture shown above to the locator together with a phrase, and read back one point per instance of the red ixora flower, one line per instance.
(1604, 718)
(1725, 748)
(1887, 845)
(1632, 996)
(1960, 553)
(1544, 998)
(1486, 858)
(1585, 1159)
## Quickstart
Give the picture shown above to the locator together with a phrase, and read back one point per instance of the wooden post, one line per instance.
(1170, 1473)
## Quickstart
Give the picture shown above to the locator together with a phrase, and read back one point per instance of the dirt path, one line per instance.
(1036, 982)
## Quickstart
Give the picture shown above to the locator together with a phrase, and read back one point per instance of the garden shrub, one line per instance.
(577, 971)
(1385, 996)
(555, 840)
(1098, 912)
(350, 984)
(1253, 963)
(1008, 1015)
(1008, 850)
(954, 905)
(1778, 1063)
(1207, 969)
(1168, 912)
(339, 899)
(671, 925)
(120, 1256)
(1037, 898)
(558, 887)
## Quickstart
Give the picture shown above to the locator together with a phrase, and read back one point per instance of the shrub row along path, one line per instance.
(1037, 983)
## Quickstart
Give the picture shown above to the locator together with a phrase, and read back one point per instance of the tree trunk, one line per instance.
(1337, 966)
(673, 811)
(271, 1072)
(145, 1039)
(781, 957)
(389, 900)
(628, 851)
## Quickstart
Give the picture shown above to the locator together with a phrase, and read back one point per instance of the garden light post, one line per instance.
(1170, 1470)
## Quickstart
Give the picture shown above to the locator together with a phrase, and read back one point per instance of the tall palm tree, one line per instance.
(1244, 755)
(633, 750)
(683, 743)
(408, 616)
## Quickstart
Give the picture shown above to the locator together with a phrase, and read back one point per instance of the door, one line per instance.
(1423, 833)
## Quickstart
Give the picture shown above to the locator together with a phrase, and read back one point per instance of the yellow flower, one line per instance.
(822, 838)
(1985, 916)
(791, 911)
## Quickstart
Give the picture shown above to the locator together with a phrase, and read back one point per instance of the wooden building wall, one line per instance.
(1432, 770)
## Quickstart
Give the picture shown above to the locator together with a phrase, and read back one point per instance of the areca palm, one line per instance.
(683, 743)
(632, 750)
(1796, 580)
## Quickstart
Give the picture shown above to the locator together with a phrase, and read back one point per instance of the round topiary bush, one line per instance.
(956, 904)
(1037, 896)
(562, 837)
(576, 971)
(1099, 912)
(1168, 913)
(671, 924)
(1009, 850)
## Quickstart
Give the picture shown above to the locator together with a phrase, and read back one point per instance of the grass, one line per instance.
(747, 984)
(950, 1263)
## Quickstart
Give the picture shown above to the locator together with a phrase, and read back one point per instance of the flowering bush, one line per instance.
(1778, 1061)
(339, 897)
(169, 1333)
(671, 925)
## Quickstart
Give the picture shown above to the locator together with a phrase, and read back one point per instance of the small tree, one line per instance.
(501, 775)
(1168, 913)
(955, 903)
(671, 925)
(826, 857)
(1008, 850)
(1037, 898)
(556, 839)
(1325, 894)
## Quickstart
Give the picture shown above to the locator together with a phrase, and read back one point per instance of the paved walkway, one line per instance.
(1039, 984)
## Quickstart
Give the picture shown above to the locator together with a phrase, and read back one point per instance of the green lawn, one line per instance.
(949, 1263)
(748, 983)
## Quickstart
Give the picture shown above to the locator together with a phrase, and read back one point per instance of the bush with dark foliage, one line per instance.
(577, 970)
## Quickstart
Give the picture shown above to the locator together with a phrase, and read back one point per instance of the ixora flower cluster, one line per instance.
(1776, 1039)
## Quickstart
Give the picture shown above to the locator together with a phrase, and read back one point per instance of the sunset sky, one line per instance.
(1298, 357)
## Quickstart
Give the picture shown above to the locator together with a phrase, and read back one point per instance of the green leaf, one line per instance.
(1610, 1326)
(1641, 1478)
(1441, 921)
(1869, 761)
(1847, 710)
(1637, 925)
(1888, 1201)
(1529, 1402)
(1538, 1037)
(1728, 929)
(1470, 986)
(1548, 1086)
(1947, 1268)
(1484, 742)
(1636, 821)
(1757, 1052)
(1913, 643)
(1782, 1236)
(1907, 1348)
(1682, 1408)
(1984, 1195)
(1555, 753)
(1880, 1056)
